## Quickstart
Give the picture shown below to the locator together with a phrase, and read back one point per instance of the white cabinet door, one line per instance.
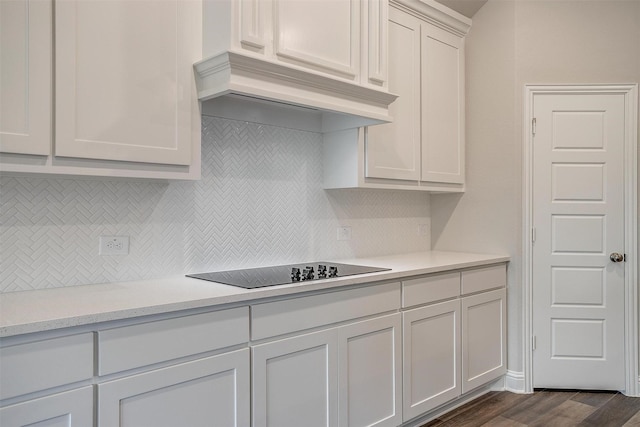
(25, 76)
(69, 409)
(370, 373)
(295, 381)
(442, 106)
(319, 34)
(483, 338)
(124, 79)
(205, 392)
(392, 150)
(432, 352)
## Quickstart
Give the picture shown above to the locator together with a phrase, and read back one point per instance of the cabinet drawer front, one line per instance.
(430, 288)
(71, 409)
(484, 279)
(140, 345)
(26, 368)
(282, 317)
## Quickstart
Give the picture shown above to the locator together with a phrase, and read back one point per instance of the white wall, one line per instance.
(513, 43)
(260, 201)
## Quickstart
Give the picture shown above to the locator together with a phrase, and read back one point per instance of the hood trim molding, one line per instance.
(345, 105)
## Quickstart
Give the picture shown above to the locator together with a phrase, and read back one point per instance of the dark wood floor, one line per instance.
(545, 408)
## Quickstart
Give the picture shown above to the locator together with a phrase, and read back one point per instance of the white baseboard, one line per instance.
(514, 382)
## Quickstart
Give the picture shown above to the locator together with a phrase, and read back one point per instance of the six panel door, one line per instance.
(578, 214)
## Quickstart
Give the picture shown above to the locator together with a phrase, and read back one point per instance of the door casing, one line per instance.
(631, 338)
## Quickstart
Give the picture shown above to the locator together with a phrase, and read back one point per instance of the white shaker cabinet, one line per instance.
(393, 149)
(425, 142)
(344, 376)
(25, 78)
(33, 373)
(484, 338)
(123, 80)
(370, 373)
(125, 99)
(295, 381)
(454, 335)
(198, 393)
(432, 357)
(423, 148)
(68, 409)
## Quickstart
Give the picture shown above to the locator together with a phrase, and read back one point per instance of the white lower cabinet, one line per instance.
(484, 328)
(432, 357)
(204, 392)
(454, 335)
(370, 373)
(295, 381)
(68, 409)
(344, 376)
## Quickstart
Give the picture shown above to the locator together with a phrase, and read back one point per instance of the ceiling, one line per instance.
(466, 7)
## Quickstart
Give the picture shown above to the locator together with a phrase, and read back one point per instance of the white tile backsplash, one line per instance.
(260, 201)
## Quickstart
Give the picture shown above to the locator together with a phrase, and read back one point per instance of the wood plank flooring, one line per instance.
(545, 408)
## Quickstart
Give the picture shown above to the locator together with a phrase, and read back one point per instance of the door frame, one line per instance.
(630, 92)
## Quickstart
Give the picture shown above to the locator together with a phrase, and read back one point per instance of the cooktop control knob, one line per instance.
(333, 271)
(322, 271)
(307, 273)
(295, 274)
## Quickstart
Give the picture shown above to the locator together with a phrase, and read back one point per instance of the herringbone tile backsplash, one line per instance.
(260, 202)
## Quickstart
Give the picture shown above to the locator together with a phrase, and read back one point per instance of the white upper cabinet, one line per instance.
(125, 97)
(123, 80)
(327, 55)
(400, 159)
(423, 148)
(442, 106)
(25, 76)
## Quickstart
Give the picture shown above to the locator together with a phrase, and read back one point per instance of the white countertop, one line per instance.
(42, 310)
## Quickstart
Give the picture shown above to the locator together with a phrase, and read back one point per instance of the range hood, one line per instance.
(232, 80)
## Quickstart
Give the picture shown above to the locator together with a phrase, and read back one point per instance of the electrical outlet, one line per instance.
(114, 245)
(344, 233)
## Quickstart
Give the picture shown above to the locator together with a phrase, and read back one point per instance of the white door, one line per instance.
(578, 220)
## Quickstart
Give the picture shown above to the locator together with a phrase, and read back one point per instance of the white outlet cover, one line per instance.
(114, 245)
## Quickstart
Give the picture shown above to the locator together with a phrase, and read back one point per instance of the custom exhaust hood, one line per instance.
(318, 58)
(337, 104)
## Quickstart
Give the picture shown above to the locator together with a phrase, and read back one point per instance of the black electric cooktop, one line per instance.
(285, 274)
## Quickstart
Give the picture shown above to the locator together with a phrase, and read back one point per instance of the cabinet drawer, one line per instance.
(430, 288)
(282, 317)
(140, 345)
(26, 368)
(483, 279)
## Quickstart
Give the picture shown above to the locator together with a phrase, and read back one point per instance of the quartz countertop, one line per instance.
(48, 309)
